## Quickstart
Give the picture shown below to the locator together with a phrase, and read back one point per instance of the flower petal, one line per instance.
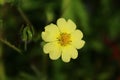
(66, 26)
(76, 39)
(71, 25)
(51, 33)
(55, 55)
(73, 52)
(65, 55)
(54, 50)
(69, 52)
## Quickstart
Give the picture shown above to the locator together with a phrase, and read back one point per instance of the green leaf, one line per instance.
(82, 15)
(67, 9)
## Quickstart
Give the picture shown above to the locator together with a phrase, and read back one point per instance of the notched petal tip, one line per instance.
(50, 27)
(82, 43)
(51, 32)
(55, 54)
(53, 57)
(74, 54)
(79, 33)
(66, 61)
(66, 25)
(43, 35)
(66, 55)
(71, 23)
(61, 19)
(46, 49)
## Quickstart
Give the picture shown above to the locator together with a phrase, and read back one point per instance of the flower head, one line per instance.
(62, 40)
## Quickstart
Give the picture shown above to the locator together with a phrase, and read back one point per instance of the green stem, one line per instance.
(10, 45)
(6, 42)
(25, 18)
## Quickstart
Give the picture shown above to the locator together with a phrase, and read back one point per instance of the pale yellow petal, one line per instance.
(65, 56)
(66, 53)
(51, 33)
(55, 55)
(73, 51)
(48, 47)
(66, 26)
(76, 39)
(71, 25)
(78, 44)
(77, 33)
(61, 23)
(54, 50)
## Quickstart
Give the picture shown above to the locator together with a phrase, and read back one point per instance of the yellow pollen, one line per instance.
(64, 39)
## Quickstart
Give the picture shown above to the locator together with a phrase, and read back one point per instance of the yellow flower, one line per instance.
(62, 40)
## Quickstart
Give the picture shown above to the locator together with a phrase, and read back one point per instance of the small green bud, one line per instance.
(27, 34)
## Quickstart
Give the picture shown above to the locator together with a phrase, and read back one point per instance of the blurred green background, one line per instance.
(21, 24)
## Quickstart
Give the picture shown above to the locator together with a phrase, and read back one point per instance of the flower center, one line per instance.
(64, 39)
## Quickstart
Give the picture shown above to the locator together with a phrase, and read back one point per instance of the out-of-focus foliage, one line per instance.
(98, 19)
(1, 2)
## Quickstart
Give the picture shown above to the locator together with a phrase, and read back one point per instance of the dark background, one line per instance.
(99, 20)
